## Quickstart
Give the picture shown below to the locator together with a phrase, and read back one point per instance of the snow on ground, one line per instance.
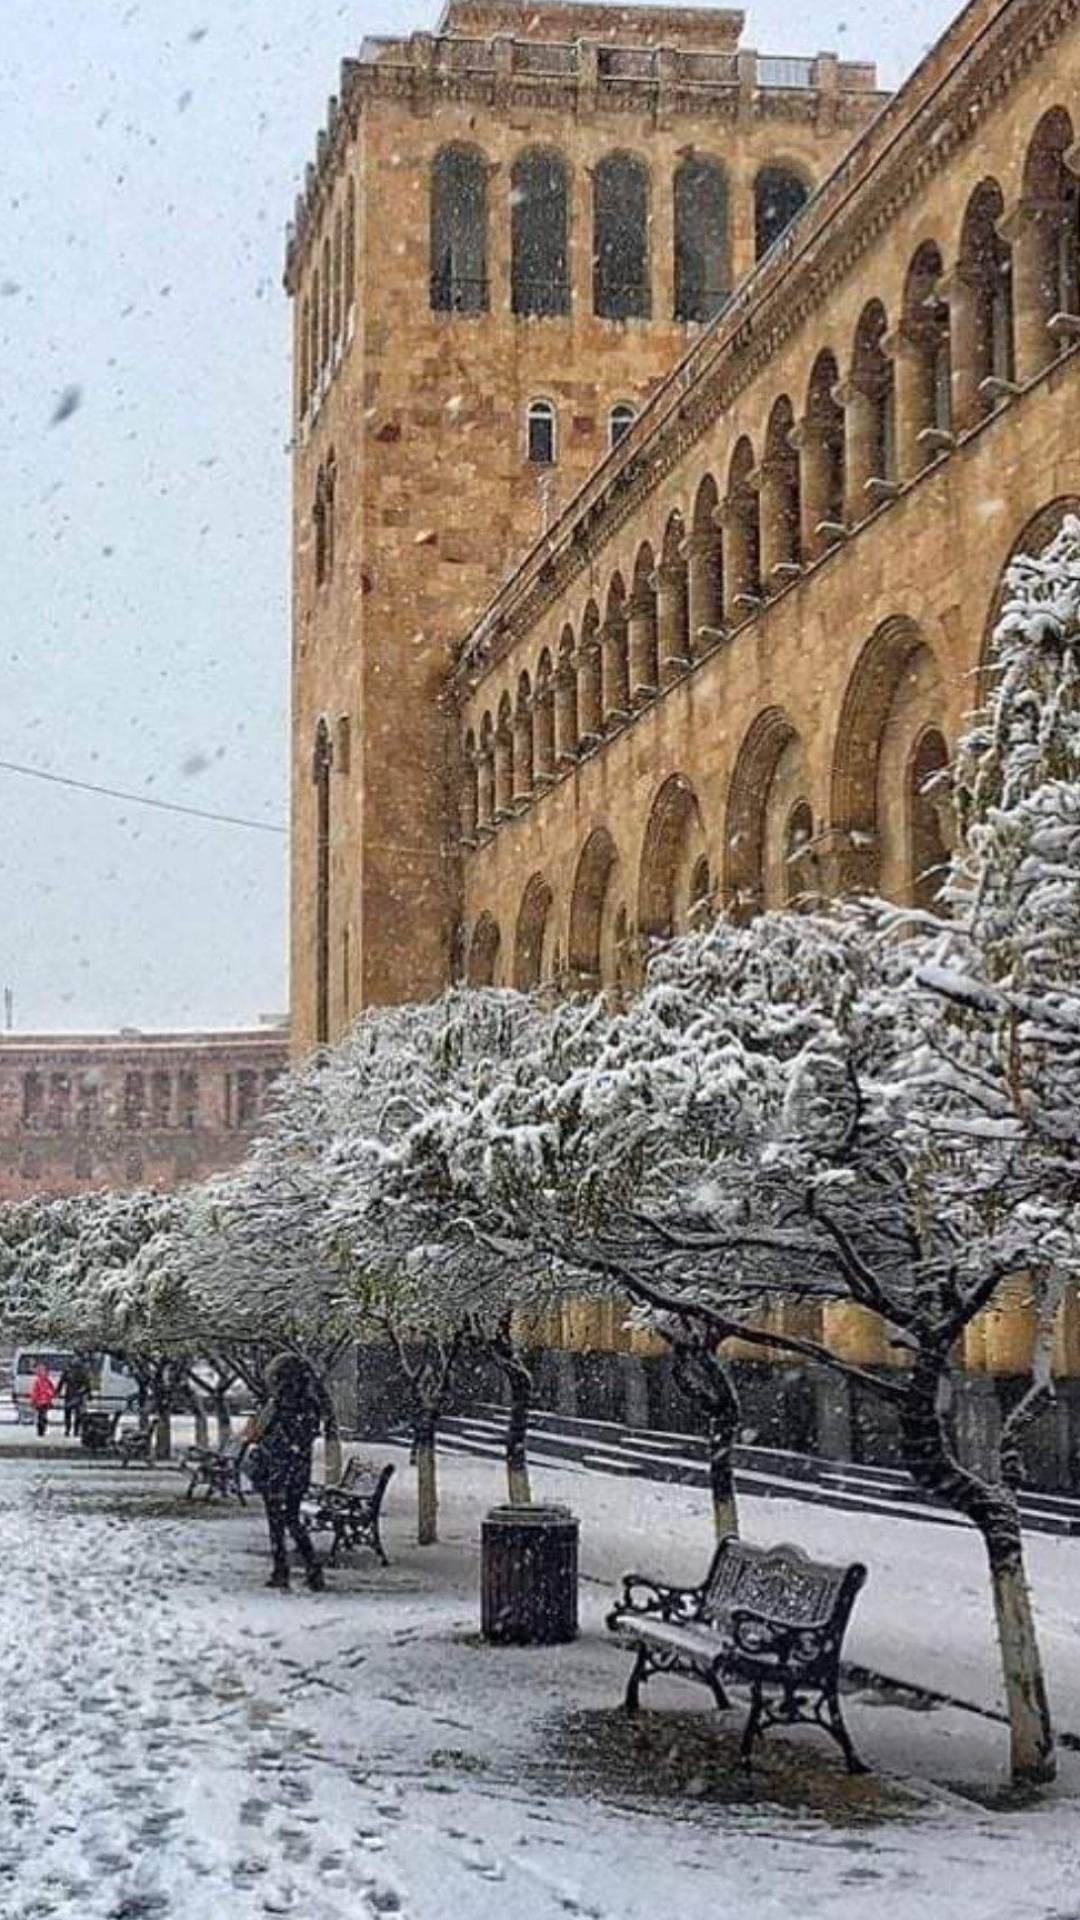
(180, 1742)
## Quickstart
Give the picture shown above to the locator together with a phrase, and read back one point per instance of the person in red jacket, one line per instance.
(42, 1395)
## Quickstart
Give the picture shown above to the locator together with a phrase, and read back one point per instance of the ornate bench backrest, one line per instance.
(779, 1583)
(364, 1480)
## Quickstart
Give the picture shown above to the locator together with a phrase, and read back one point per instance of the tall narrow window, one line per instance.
(540, 433)
(316, 367)
(539, 234)
(161, 1099)
(778, 196)
(188, 1099)
(702, 263)
(322, 518)
(350, 247)
(336, 309)
(134, 1099)
(324, 306)
(458, 231)
(304, 351)
(320, 773)
(620, 421)
(621, 239)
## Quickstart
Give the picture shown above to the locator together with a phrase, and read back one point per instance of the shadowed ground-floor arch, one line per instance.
(894, 695)
(671, 880)
(484, 947)
(765, 783)
(532, 936)
(599, 927)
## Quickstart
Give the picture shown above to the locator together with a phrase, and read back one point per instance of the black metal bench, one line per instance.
(768, 1617)
(349, 1509)
(216, 1469)
(134, 1443)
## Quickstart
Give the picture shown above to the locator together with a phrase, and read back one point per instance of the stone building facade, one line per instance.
(511, 231)
(720, 666)
(128, 1109)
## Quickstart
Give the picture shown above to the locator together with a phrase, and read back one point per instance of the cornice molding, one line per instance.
(775, 304)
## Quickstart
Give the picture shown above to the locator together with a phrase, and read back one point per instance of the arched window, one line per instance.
(350, 247)
(322, 515)
(539, 234)
(304, 351)
(324, 306)
(986, 275)
(926, 338)
(779, 194)
(620, 420)
(823, 464)
(927, 807)
(873, 383)
(458, 231)
(798, 833)
(316, 364)
(540, 433)
(1048, 246)
(781, 506)
(336, 308)
(702, 261)
(742, 537)
(621, 239)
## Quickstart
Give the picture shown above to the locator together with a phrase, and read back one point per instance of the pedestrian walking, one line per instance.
(74, 1384)
(285, 1433)
(42, 1395)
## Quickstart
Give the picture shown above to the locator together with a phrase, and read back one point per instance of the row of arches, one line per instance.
(883, 824)
(326, 312)
(874, 415)
(622, 204)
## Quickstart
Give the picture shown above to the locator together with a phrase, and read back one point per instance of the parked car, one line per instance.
(112, 1388)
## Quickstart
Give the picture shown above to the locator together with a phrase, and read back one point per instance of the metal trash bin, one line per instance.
(529, 1576)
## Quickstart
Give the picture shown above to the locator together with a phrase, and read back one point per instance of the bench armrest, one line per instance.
(775, 1642)
(653, 1599)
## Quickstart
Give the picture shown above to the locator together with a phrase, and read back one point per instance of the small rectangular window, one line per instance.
(540, 436)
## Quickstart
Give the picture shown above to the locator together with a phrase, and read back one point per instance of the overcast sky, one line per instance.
(151, 153)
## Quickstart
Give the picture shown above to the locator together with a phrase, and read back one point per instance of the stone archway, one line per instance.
(770, 739)
(1032, 540)
(483, 957)
(894, 695)
(594, 909)
(673, 846)
(532, 935)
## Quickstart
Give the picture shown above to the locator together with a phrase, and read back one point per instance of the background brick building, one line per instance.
(117, 1110)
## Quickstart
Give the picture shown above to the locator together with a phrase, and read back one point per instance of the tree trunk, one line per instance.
(427, 1492)
(708, 1382)
(519, 1387)
(994, 1511)
(202, 1422)
(222, 1416)
(332, 1460)
(163, 1434)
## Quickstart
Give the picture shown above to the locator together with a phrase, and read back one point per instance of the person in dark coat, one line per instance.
(75, 1384)
(285, 1435)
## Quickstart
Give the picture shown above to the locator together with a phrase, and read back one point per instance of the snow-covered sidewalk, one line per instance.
(180, 1742)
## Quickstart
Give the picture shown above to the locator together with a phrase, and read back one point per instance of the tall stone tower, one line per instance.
(511, 230)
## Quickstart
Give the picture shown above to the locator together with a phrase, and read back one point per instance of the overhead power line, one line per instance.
(141, 799)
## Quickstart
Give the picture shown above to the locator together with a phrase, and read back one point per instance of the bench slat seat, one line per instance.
(770, 1618)
(216, 1469)
(350, 1508)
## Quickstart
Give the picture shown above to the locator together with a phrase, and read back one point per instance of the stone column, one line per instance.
(672, 621)
(662, 240)
(914, 397)
(485, 790)
(1032, 231)
(523, 755)
(581, 240)
(962, 291)
(566, 714)
(740, 582)
(615, 703)
(504, 772)
(544, 736)
(814, 489)
(590, 693)
(859, 426)
(778, 534)
(643, 648)
(703, 590)
(469, 801)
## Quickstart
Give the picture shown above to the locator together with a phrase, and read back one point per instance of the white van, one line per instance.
(112, 1390)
